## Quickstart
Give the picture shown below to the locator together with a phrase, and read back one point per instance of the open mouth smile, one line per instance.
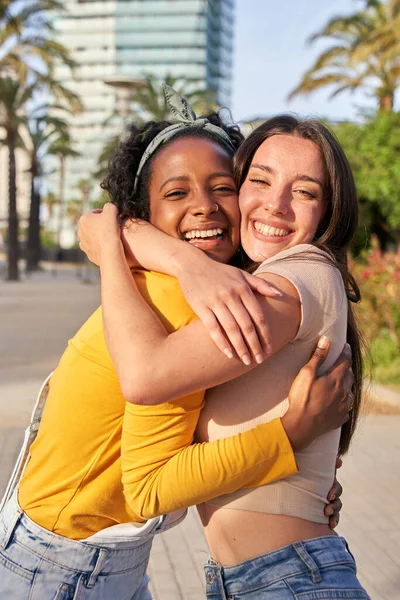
(268, 231)
(204, 234)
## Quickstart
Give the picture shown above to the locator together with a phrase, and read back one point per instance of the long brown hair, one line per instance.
(335, 232)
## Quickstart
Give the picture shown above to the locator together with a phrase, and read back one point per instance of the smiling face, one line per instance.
(282, 198)
(189, 178)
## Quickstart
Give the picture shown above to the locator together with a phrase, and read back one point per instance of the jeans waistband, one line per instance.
(307, 556)
(109, 556)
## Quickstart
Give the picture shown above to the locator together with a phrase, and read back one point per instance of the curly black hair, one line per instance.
(123, 165)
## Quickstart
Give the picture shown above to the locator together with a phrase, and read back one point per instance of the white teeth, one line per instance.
(267, 230)
(196, 233)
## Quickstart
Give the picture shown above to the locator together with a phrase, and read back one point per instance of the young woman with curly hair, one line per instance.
(66, 528)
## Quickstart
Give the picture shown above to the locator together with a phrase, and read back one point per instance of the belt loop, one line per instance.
(348, 549)
(10, 530)
(310, 563)
(214, 581)
(98, 566)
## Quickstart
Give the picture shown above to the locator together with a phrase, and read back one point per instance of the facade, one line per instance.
(130, 38)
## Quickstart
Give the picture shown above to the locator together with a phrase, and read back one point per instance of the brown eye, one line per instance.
(175, 194)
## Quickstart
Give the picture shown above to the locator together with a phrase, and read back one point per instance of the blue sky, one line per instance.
(271, 54)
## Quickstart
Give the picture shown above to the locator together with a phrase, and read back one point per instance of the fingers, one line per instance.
(319, 355)
(258, 335)
(338, 463)
(343, 362)
(237, 335)
(335, 491)
(334, 521)
(261, 286)
(215, 331)
(348, 381)
(332, 511)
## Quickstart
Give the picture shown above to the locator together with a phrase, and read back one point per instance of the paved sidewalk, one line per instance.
(36, 319)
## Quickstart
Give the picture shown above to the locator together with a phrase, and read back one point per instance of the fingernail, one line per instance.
(329, 511)
(268, 348)
(228, 353)
(347, 349)
(246, 359)
(323, 342)
(334, 524)
(332, 497)
(277, 292)
(259, 359)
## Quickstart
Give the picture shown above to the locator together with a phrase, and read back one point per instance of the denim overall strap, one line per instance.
(30, 435)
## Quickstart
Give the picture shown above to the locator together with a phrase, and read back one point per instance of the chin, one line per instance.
(223, 257)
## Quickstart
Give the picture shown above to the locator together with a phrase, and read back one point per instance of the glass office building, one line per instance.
(190, 38)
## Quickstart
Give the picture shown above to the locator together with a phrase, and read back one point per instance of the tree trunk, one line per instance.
(61, 200)
(386, 103)
(34, 246)
(12, 249)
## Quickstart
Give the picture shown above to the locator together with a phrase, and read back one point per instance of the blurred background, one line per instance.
(75, 73)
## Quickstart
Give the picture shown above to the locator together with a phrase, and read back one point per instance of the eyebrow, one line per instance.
(186, 178)
(270, 170)
(177, 178)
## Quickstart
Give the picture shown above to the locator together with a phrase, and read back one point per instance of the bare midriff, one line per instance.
(237, 535)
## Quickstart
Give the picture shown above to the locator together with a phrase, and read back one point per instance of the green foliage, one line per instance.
(48, 239)
(100, 202)
(364, 54)
(378, 275)
(385, 359)
(373, 150)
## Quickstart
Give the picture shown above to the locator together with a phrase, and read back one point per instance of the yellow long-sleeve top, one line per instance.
(73, 482)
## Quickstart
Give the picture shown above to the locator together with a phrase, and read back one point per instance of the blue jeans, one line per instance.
(37, 564)
(318, 569)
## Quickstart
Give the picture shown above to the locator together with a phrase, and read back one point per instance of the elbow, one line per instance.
(144, 388)
(139, 503)
(135, 391)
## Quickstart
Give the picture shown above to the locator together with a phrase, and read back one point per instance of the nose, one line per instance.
(204, 204)
(278, 201)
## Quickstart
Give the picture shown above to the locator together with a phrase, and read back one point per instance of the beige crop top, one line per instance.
(261, 395)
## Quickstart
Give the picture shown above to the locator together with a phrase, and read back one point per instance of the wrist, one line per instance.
(296, 431)
(183, 262)
(111, 247)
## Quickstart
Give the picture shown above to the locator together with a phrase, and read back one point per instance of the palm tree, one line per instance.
(151, 102)
(107, 152)
(42, 129)
(364, 54)
(63, 149)
(13, 99)
(50, 200)
(26, 33)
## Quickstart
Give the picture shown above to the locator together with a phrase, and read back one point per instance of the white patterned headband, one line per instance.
(186, 118)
